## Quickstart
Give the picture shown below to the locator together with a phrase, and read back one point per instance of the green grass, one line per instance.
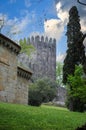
(19, 117)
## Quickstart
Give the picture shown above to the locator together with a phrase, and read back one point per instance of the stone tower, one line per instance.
(43, 60)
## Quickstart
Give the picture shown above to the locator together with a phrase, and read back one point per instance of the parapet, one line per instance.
(11, 45)
(42, 39)
(22, 72)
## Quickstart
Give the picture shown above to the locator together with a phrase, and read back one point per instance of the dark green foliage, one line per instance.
(76, 90)
(75, 53)
(84, 66)
(35, 98)
(59, 73)
(43, 90)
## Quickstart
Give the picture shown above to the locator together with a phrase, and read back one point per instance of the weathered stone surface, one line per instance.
(1, 87)
(61, 96)
(9, 44)
(43, 60)
(13, 87)
(22, 91)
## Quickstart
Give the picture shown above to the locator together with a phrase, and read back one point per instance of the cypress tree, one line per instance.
(75, 52)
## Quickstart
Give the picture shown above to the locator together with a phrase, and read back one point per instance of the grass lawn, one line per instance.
(19, 117)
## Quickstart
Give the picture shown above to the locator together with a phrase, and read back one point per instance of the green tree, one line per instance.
(77, 89)
(75, 52)
(59, 73)
(26, 46)
(43, 90)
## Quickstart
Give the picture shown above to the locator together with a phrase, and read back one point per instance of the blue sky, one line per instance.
(43, 17)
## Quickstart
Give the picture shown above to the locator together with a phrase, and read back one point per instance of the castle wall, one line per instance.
(43, 60)
(14, 80)
(8, 74)
(23, 77)
(22, 90)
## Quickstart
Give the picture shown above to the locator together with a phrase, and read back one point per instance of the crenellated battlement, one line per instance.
(42, 39)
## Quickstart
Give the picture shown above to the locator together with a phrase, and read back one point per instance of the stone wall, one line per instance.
(9, 77)
(61, 97)
(22, 91)
(43, 60)
(8, 71)
(23, 77)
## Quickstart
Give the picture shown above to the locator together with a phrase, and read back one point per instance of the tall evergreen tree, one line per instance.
(75, 52)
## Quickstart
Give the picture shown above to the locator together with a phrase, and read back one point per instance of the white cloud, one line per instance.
(19, 25)
(4, 19)
(3, 16)
(60, 57)
(58, 6)
(55, 27)
(83, 29)
(83, 25)
(11, 22)
(15, 25)
(36, 34)
(61, 14)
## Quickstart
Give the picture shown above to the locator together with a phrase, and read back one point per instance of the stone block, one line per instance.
(1, 87)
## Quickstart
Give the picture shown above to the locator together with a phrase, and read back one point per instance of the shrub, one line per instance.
(35, 98)
(43, 90)
(76, 90)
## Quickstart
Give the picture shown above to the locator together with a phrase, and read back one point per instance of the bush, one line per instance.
(76, 90)
(43, 90)
(35, 98)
